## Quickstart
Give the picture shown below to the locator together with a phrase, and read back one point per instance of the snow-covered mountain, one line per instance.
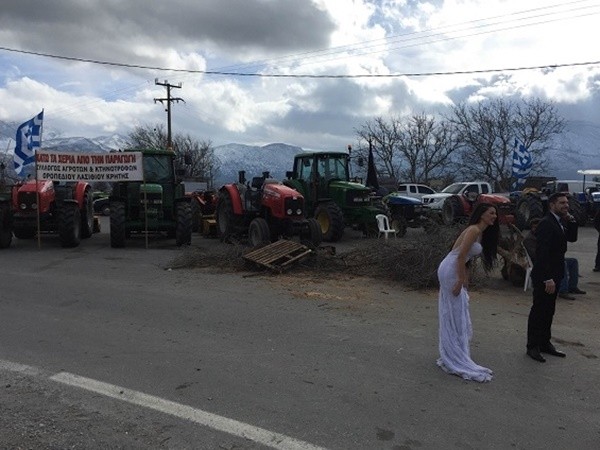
(578, 147)
(274, 158)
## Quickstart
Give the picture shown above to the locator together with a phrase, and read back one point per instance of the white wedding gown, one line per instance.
(455, 323)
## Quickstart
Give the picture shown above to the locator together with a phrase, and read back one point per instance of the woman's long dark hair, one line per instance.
(489, 237)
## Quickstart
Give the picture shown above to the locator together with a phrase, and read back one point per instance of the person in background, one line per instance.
(568, 285)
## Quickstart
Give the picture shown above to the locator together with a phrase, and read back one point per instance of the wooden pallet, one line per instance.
(278, 255)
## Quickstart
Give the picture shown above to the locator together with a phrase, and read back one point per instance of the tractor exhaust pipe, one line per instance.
(242, 177)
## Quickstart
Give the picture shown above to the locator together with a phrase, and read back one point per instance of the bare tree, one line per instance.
(427, 146)
(384, 139)
(414, 149)
(487, 131)
(196, 159)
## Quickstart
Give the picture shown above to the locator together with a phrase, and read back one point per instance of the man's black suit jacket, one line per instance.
(551, 245)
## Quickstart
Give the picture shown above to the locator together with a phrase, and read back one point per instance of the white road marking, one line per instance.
(16, 367)
(216, 422)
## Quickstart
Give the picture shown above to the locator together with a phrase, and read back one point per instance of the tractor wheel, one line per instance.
(196, 212)
(117, 225)
(183, 230)
(227, 221)
(331, 220)
(87, 216)
(259, 233)
(529, 206)
(452, 211)
(5, 232)
(399, 224)
(69, 225)
(24, 233)
(577, 211)
(315, 235)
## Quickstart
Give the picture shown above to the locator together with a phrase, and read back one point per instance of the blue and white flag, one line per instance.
(29, 139)
(521, 163)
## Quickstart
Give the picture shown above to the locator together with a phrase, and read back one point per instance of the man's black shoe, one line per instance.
(596, 269)
(534, 353)
(566, 296)
(576, 291)
(551, 350)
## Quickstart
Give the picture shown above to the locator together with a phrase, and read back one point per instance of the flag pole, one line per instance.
(37, 201)
(37, 187)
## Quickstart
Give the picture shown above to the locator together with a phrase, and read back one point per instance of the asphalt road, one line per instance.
(109, 348)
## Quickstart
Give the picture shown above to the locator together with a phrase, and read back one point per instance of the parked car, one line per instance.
(414, 190)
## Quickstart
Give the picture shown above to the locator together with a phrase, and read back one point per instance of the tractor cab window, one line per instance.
(157, 168)
(331, 167)
(304, 169)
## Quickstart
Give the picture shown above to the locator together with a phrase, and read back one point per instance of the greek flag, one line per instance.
(29, 139)
(521, 164)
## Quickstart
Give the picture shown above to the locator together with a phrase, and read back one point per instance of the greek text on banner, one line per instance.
(67, 166)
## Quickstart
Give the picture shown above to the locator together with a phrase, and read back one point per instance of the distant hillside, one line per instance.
(275, 158)
(577, 148)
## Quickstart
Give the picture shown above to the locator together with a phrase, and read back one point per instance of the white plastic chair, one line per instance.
(527, 284)
(383, 225)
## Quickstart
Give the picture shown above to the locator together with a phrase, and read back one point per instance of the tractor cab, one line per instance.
(323, 178)
(316, 171)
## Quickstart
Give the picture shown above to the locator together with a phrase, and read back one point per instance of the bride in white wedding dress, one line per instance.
(479, 238)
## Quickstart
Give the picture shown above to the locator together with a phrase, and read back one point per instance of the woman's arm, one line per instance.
(470, 236)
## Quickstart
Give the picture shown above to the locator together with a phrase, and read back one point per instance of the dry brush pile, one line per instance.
(412, 260)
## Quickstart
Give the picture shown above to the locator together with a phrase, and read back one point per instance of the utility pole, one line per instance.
(169, 99)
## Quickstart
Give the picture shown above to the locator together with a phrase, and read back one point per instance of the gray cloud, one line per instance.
(98, 28)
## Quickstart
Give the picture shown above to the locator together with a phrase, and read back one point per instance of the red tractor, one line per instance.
(457, 208)
(264, 210)
(64, 208)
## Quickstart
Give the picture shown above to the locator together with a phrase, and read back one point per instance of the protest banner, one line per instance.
(75, 166)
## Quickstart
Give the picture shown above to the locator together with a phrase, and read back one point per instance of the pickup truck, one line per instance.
(456, 202)
(414, 190)
(436, 201)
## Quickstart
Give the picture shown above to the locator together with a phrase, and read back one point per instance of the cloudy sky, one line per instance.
(310, 71)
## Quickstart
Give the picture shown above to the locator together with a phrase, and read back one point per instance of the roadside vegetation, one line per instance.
(411, 262)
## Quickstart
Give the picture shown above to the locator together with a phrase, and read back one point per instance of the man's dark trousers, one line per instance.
(540, 316)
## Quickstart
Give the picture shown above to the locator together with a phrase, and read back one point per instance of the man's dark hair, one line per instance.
(554, 197)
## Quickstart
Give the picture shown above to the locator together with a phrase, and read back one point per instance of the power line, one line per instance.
(283, 75)
(358, 49)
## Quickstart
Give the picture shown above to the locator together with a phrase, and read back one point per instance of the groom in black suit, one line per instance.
(552, 234)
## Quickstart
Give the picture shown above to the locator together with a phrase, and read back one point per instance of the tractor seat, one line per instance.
(257, 182)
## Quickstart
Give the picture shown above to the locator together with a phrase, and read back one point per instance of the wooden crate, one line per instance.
(278, 255)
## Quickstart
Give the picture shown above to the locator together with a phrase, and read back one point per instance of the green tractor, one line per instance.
(157, 205)
(323, 179)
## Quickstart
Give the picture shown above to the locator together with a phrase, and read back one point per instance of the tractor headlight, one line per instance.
(299, 211)
(289, 211)
(23, 206)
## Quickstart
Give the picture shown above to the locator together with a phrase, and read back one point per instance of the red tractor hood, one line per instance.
(33, 186)
(493, 198)
(278, 190)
